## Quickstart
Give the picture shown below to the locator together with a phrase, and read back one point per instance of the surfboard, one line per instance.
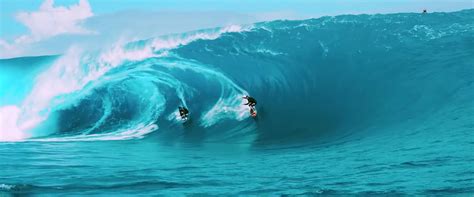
(253, 115)
(184, 120)
(253, 112)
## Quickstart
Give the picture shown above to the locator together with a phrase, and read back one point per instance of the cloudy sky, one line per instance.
(43, 27)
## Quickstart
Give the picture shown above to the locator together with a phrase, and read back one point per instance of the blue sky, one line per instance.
(102, 17)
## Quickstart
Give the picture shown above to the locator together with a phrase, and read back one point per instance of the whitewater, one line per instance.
(348, 105)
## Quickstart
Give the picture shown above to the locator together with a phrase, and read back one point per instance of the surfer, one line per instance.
(251, 102)
(424, 11)
(183, 112)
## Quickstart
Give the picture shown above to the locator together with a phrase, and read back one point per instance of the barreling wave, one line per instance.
(315, 80)
(118, 93)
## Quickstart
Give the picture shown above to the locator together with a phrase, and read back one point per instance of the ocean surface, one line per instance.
(347, 105)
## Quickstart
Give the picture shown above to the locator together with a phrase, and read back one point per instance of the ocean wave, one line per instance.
(316, 80)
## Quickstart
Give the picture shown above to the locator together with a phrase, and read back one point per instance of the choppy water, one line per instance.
(366, 104)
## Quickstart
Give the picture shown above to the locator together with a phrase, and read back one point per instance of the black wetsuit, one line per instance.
(183, 112)
(251, 101)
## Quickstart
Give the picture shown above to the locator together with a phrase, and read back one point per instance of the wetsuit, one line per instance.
(251, 101)
(183, 112)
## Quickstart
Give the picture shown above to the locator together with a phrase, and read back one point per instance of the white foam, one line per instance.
(118, 54)
(226, 108)
(6, 187)
(9, 130)
(136, 133)
(158, 47)
(268, 51)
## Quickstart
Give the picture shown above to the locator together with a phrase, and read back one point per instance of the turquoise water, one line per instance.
(366, 104)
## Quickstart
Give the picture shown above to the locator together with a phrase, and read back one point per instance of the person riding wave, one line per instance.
(183, 112)
(251, 102)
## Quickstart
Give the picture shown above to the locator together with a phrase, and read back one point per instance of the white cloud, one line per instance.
(47, 22)
(8, 50)
(50, 21)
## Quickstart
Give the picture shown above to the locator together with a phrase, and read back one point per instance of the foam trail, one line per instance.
(137, 133)
(228, 106)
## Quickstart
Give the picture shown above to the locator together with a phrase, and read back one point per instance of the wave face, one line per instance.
(343, 102)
